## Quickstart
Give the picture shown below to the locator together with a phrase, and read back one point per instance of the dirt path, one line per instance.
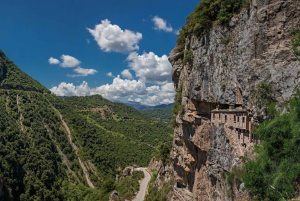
(84, 169)
(143, 185)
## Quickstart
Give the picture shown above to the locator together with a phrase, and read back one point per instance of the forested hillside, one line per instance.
(163, 114)
(66, 149)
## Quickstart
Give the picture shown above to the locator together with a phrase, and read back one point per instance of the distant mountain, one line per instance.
(139, 106)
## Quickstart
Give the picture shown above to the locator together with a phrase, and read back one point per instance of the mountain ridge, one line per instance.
(140, 106)
(12, 77)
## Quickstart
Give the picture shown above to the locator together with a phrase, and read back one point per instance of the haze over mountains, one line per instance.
(140, 106)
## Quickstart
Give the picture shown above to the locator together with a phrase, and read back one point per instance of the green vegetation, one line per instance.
(162, 114)
(111, 135)
(233, 178)
(163, 152)
(159, 193)
(177, 105)
(275, 172)
(30, 166)
(12, 77)
(128, 186)
(156, 194)
(295, 38)
(225, 40)
(73, 192)
(223, 86)
(263, 94)
(37, 160)
(188, 56)
(206, 13)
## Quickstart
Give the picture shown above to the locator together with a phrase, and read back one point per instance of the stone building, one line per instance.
(237, 120)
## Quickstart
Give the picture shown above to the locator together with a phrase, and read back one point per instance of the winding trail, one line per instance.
(143, 185)
(84, 169)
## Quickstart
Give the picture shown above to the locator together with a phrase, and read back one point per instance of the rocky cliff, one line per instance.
(228, 63)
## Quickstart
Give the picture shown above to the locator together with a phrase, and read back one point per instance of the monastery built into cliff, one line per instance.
(237, 120)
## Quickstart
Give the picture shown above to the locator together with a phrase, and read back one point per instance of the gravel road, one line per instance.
(143, 185)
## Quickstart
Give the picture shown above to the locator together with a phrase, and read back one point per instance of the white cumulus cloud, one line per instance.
(109, 74)
(111, 38)
(126, 74)
(150, 67)
(69, 61)
(69, 89)
(121, 90)
(53, 61)
(83, 72)
(161, 24)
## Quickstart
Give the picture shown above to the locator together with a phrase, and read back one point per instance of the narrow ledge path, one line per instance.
(143, 185)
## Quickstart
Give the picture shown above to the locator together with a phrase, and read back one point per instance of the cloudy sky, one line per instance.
(118, 49)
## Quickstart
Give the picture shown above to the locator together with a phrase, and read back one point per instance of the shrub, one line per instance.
(263, 94)
(296, 42)
(188, 56)
(275, 172)
(177, 105)
(223, 86)
(225, 40)
(207, 12)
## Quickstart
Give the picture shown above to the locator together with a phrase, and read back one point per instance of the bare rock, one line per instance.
(114, 196)
(259, 49)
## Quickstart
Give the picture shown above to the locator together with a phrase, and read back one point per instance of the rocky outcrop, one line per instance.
(114, 196)
(164, 172)
(228, 63)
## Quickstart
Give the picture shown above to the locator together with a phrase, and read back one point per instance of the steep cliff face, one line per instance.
(227, 64)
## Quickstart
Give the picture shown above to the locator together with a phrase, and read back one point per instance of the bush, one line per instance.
(207, 12)
(188, 56)
(223, 86)
(275, 171)
(177, 105)
(296, 42)
(159, 194)
(163, 152)
(263, 94)
(225, 40)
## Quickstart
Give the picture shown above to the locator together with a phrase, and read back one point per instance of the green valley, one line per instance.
(55, 148)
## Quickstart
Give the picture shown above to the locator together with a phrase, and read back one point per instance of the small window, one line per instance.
(234, 118)
(225, 118)
(238, 119)
(243, 119)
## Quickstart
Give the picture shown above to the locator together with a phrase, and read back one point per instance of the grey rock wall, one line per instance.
(229, 61)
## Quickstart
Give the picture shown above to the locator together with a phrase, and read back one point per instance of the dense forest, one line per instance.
(162, 114)
(72, 148)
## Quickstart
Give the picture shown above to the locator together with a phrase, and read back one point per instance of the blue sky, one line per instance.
(117, 49)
